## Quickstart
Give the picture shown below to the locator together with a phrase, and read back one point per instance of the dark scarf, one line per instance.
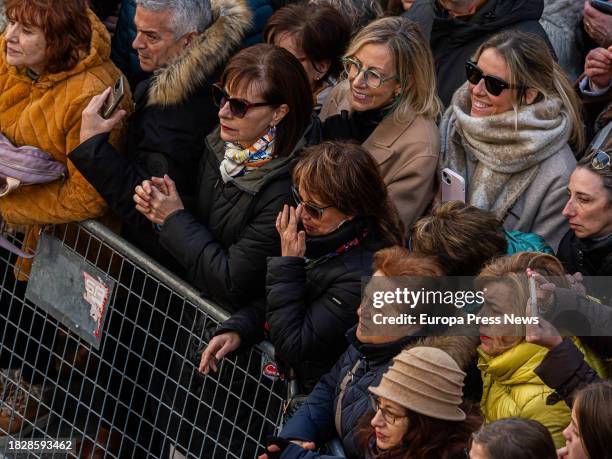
(320, 249)
(353, 126)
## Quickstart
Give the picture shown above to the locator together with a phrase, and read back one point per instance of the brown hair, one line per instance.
(511, 270)
(462, 237)
(396, 261)
(344, 175)
(64, 23)
(426, 437)
(320, 31)
(594, 418)
(516, 438)
(280, 79)
(532, 65)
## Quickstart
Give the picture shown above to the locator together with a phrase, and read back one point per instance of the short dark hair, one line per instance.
(281, 79)
(65, 24)
(462, 237)
(345, 175)
(516, 438)
(320, 31)
(594, 418)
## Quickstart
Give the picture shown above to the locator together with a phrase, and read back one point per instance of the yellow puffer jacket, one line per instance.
(46, 113)
(511, 387)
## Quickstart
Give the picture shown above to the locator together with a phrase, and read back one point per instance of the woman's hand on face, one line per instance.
(219, 347)
(157, 199)
(562, 453)
(92, 122)
(293, 242)
(598, 67)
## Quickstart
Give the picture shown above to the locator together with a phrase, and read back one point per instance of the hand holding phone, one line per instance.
(113, 99)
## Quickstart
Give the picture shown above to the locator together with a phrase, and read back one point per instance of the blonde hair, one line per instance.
(511, 270)
(413, 61)
(531, 65)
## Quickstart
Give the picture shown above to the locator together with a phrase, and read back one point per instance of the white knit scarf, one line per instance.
(508, 148)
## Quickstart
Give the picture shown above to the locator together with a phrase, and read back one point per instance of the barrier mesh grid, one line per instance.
(140, 394)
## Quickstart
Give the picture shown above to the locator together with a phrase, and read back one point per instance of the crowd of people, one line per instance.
(273, 154)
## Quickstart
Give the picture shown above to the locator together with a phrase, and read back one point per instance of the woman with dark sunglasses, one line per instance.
(222, 240)
(388, 103)
(587, 246)
(509, 133)
(341, 215)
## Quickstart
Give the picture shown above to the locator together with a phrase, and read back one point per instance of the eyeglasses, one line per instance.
(388, 417)
(313, 211)
(494, 85)
(238, 107)
(373, 79)
(600, 160)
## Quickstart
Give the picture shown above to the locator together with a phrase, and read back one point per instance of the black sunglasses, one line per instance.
(494, 85)
(315, 212)
(238, 107)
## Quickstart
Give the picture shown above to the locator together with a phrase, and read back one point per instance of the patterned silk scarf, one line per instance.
(239, 161)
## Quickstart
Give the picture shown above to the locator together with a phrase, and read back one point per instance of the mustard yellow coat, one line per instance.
(511, 387)
(46, 113)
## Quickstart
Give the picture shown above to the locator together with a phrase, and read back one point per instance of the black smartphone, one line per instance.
(602, 5)
(113, 99)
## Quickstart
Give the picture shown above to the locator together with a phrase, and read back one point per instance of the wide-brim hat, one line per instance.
(426, 380)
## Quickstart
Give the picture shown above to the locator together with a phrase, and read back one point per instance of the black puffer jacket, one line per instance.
(224, 241)
(314, 421)
(453, 41)
(308, 311)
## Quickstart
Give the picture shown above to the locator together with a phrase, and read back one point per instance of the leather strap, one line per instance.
(345, 381)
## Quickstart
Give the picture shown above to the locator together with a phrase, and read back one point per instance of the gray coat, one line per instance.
(538, 210)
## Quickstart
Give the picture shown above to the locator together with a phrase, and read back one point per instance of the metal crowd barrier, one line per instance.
(139, 394)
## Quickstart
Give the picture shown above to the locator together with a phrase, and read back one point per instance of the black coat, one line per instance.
(223, 242)
(454, 41)
(308, 311)
(591, 258)
(564, 368)
(160, 141)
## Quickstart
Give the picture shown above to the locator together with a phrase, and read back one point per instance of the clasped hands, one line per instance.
(157, 199)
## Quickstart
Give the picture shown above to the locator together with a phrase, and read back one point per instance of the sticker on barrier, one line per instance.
(70, 289)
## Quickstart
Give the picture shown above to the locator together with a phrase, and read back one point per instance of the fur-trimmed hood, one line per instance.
(461, 348)
(174, 83)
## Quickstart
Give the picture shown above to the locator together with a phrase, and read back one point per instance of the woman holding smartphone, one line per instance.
(223, 239)
(509, 133)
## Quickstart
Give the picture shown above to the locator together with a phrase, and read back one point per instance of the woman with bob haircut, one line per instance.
(317, 35)
(507, 362)
(55, 57)
(342, 217)
(508, 133)
(589, 433)
(388, 103)
(223, 239)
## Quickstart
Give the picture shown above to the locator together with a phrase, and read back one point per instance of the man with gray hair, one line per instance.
(185, 43)
(456, 28)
